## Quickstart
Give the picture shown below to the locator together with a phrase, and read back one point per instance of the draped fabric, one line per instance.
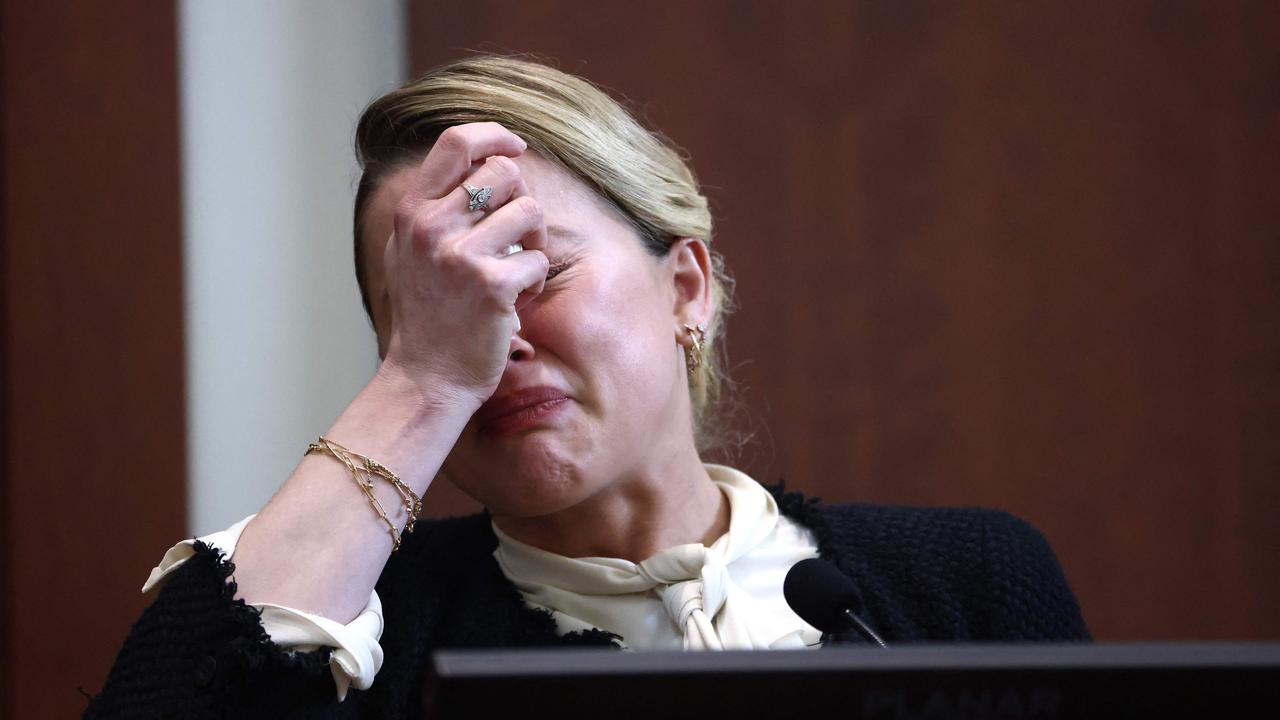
(724, 597)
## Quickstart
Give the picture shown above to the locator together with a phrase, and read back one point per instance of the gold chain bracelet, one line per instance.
(363, 468)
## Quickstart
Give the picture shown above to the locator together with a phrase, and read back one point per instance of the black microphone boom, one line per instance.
(825, 598)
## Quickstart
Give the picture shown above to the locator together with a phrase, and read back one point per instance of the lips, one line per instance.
(519, 410)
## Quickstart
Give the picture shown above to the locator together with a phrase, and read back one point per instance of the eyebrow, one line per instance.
(560, 232)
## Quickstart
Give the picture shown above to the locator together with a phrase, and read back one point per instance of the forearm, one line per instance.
(318, 545)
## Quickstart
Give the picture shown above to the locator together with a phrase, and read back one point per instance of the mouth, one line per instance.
(520, 410)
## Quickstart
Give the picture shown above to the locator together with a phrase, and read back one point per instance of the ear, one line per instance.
(689, 262)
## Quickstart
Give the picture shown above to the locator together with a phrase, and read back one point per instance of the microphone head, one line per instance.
(820, 594)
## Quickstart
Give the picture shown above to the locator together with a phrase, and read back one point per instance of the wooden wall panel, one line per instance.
(1014, 254)
(93, 434)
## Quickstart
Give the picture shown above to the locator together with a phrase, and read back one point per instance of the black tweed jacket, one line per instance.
(925, 574)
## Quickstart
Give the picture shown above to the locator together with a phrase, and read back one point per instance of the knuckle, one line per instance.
(528, 207)
(496, 297)
(453, 262)
(504, 167)
(452, 140)
(428, 221)
(495, 292)
(407, 209)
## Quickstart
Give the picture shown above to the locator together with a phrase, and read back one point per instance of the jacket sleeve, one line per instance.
(197, 652)
(1027, 596)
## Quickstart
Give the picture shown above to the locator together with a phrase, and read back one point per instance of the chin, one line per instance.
(537, 482)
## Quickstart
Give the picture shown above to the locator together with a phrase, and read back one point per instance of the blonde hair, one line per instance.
(576, 125)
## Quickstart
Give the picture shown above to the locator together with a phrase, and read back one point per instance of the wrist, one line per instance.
(405, 424)
(425, 398)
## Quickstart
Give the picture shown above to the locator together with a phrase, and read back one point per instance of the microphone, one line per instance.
(825, 598)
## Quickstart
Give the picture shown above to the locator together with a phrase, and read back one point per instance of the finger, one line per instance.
(536, 240)
(524, 275)
(519, 221)
(432, 221)
(449, 161)
(499, 174)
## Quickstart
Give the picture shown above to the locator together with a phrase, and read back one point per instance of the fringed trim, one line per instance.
(252, 645)
(594, 637)
(808, 512)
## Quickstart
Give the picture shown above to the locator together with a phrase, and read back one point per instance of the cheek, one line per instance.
(623, 337)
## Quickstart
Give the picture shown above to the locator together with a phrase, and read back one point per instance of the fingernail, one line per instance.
(523, 145)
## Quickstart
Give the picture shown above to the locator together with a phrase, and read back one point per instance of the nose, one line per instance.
(520, 348)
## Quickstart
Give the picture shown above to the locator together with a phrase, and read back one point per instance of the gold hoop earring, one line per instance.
(693, 355)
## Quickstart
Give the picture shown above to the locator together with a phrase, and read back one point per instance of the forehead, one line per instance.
(556, 189)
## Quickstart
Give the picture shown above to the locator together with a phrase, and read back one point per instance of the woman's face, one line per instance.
(603, 333)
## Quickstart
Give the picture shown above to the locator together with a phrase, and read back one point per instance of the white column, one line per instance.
(277, 342)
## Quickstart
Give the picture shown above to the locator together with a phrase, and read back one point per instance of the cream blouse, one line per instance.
(726, 596)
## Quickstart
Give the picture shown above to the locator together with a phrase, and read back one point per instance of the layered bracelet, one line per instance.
(363, 469)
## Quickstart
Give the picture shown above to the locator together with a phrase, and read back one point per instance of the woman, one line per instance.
(538, 269)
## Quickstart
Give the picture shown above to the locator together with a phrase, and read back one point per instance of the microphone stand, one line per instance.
(863, 629)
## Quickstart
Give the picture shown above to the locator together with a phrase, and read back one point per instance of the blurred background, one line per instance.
(1012, 254)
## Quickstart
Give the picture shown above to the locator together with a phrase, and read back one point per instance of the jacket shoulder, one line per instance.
(950, 573)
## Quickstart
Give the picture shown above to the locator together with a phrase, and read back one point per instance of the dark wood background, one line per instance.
(93, 453)
(1014, 254)
(1024, 255)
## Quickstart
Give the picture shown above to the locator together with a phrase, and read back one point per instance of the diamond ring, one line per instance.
(479, 196)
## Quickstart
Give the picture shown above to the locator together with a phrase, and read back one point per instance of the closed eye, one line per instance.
(556, 269)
